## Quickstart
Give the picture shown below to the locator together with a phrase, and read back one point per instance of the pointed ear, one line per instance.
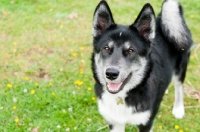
(145, 23)
(102, 18)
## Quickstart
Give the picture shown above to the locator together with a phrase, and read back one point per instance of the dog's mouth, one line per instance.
(116, 87)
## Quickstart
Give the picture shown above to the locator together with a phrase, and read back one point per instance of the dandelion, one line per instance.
(74, 54)
(50, 83)
(81, 70)
(93, 98)
(176, 127)
(89, 88)
(52, 93)
(4, 12)
(25, 90)
(180, 130)
(83, 61)
(26, 78)
(14, 100)
(32, 91)
(16, 120)
(36, 84)
(14, 107)
(191, 16)
(160, 127)
(15, 43)
(135, 16)
(81, 48)
(78, 82)
(9, 85)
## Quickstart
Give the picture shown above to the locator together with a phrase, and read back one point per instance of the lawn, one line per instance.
(45, 67)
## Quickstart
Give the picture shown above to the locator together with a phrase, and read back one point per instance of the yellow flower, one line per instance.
(74, 54)
(160, 127)
(15, 43)
(176, 127)
(89, 89)
(9, 85)
(16, 120)
(180, 130)
(14, 50)
(83, 61)
(36, 84)
(52, 93)
(81, 70)
(14, 107)
(32, 91)
(26, 78)
(191, 16)
(4, 12)
(81, 48)
(50, 83)
(78, 82)
(93, 98)
(135, 16)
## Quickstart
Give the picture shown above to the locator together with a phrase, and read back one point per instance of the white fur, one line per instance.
(99, 69)
(120, 113)
(152, 25)
(172, 21)
(120, 34)
(178, 108)
(118, 128)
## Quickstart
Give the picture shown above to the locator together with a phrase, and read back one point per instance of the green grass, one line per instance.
(44, 52)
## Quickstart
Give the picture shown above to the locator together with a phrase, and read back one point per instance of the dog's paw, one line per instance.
(178, 112)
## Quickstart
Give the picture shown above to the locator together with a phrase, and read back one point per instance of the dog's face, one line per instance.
(121, 52)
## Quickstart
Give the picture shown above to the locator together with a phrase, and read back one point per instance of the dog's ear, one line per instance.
(102, 18)
(145, 23)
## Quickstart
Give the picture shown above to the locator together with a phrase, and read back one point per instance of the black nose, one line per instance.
(112, 73)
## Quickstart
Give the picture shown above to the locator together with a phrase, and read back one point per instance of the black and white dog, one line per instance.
(134, 64)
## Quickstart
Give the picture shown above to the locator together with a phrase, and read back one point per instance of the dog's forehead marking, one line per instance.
(110, 44)
(127, 45)
(120, 34)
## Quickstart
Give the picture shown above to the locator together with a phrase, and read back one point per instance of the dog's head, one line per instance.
(121, 51)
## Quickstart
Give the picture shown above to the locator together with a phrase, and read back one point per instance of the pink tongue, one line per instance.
(114, 86)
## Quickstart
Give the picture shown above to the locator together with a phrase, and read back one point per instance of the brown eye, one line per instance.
(107, 49)
(130, 51)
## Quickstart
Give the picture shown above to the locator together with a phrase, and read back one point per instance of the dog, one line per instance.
(134, 64)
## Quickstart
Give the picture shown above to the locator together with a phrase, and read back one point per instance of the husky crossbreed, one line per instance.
(134, 64)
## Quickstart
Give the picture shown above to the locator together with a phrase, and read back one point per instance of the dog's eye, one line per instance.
(107, 49)
(130, 51)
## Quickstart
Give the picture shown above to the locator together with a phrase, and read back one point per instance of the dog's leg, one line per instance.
(178, 108)
(117, 128)
(179, 76)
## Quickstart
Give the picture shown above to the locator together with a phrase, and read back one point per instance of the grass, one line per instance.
(46, 79)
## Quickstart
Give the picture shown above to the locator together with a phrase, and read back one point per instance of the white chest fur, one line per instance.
(118, 112)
